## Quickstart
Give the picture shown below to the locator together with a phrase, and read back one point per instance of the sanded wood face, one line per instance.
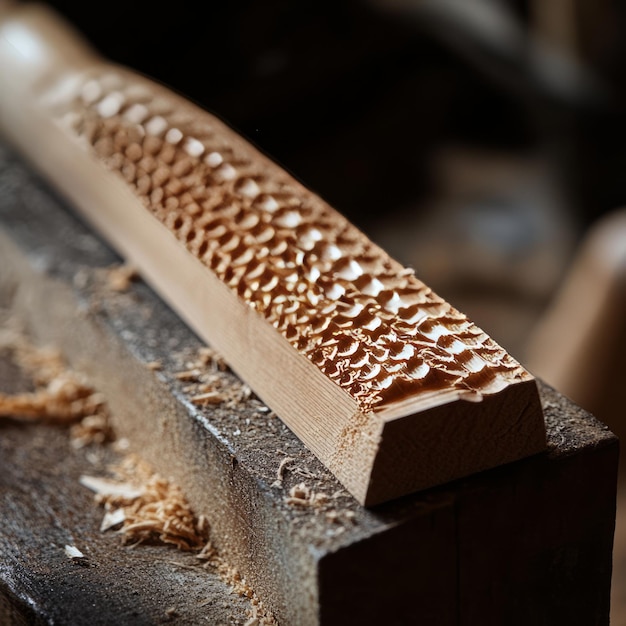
(365, 321)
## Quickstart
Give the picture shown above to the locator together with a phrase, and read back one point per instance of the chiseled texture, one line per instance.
(367, 322)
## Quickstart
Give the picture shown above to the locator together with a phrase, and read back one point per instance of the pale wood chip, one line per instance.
(72, 552)
(120, 277)
(110, 488)
(112, 519)
(211, 397)
(303, 496)
(187, 375)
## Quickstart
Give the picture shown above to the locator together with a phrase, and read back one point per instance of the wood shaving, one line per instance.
(211, 397)
(112, 490)
(210, 356)
(91, 429)
(38, 362)
(154, 509)
(61, 395)
(120, 277)
(65, 399)
(187, 375)
(154, 365)
(147, 507)
(305, 472)
(208, 384)
(280, 473)
(303, 496)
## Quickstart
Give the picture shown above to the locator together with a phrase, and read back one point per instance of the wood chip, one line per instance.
(73, 553)
(303, 496)
(120, 277)
(110, 488)
(186, 375)
(212, 397)
(112, 519)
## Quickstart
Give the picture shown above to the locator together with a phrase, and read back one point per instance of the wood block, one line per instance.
(391, 387)
(526, 543)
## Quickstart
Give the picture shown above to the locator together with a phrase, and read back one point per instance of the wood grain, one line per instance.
(390, 386)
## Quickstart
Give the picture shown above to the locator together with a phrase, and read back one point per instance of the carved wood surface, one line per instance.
(386, 382)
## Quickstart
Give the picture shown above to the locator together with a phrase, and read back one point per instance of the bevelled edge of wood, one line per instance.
(322, 411)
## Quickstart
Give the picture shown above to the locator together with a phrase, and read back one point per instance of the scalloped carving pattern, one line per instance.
(364, 320)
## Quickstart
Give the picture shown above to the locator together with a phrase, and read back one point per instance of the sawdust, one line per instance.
(60, 396)
(144, 507)
(207, 383)
(259, 615)
(208, 356)
(302, 496)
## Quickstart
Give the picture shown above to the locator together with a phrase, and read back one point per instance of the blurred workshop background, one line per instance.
(482, 142)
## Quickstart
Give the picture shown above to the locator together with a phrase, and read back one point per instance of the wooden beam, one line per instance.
(482, 550)
(390, 386)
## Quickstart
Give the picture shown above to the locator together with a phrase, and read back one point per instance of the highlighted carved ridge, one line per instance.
(364, 320)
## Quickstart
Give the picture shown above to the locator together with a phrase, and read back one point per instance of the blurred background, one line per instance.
(482, 142)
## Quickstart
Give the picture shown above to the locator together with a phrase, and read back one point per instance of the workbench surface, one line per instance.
(525, 543)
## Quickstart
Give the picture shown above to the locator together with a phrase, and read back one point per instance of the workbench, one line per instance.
(526, 543)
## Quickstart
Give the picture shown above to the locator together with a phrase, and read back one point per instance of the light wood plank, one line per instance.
(390, 386)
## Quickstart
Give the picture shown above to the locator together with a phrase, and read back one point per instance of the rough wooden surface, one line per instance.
(525, 544)
(391, 387)
(43, 508)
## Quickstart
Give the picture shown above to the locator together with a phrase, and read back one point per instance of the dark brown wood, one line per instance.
(43, 507)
